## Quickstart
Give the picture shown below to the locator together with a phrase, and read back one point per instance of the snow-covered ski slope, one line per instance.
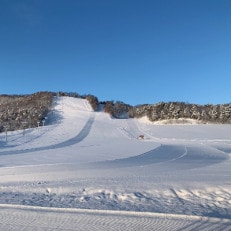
(87, 171)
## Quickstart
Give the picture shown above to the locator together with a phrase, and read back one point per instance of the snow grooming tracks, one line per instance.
(184, 157)
(27, 218)
(159, 155)
(126, 132)
(78, 138)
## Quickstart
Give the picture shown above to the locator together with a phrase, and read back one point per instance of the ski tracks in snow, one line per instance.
(27, 218)
(159, 155)
(76, 139)
(68, 108)
(131, 129)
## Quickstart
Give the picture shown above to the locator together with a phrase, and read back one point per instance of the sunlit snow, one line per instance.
(84, 170)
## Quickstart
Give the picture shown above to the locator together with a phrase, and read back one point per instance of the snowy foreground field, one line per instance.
(87, 171)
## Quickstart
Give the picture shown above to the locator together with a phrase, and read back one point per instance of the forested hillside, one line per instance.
(174, 110)
(24, 111)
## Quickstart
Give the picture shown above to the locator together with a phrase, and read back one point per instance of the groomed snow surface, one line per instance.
(87, 171)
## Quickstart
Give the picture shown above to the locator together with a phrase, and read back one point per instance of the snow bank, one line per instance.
(179, 121)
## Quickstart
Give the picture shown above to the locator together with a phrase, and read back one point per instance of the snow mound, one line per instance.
(179, 121)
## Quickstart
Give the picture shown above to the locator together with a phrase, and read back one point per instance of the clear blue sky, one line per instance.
(135, 51)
